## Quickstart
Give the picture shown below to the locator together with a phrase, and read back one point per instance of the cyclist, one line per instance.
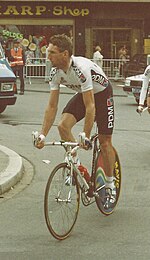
(145, 91)
(93, 101)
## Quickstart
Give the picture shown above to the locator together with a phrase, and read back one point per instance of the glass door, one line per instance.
(103, 39)
(111, 40)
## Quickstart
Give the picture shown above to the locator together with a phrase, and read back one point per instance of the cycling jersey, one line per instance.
(82, 75)
(145, 85)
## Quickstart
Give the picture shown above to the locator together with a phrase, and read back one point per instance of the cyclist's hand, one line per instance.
(139, 109)
(84, 142)
(38, 140)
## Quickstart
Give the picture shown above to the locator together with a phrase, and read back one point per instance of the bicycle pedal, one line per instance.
(95, 194)
(106, 205)
(109, 203)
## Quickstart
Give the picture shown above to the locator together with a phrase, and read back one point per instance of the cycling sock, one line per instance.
(109, 178)
(109, 182)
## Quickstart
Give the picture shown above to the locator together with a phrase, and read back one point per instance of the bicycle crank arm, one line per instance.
(100, 188)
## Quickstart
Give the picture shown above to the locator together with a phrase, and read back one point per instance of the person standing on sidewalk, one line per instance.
(48, 67)
(17, 62)
(97, 56)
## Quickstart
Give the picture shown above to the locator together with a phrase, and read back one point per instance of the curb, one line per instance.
(13, 172)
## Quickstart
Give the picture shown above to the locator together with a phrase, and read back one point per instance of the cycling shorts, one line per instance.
(104, 105)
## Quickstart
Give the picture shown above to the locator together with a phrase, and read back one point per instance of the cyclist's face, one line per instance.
(55, 56)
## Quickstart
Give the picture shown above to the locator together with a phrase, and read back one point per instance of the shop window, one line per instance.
(34, 38)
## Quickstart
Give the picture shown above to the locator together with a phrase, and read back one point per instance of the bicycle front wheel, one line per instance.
(61, 201)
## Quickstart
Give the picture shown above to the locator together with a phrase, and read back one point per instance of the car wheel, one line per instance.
(2, 108)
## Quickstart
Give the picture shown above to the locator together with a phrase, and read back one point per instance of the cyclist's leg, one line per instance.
(105, 122)
(72, 113)
(107, 154)
(65, 126)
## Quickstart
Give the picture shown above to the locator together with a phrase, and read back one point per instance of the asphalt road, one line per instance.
(124, 235)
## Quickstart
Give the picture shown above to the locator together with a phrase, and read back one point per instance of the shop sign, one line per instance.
(42, 10)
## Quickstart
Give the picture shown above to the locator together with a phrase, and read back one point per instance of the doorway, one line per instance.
(111, 40)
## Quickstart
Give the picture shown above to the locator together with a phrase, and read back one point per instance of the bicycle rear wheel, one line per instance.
(61, 201)
(100, 180)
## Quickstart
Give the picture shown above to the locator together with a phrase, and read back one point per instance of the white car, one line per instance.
(7, 83)
(133, 85)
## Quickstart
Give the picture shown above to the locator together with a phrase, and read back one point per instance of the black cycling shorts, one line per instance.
(104, 109)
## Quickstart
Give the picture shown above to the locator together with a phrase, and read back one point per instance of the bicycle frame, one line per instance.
(71, 149)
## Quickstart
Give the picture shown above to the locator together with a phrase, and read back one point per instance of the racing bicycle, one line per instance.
(67, 184)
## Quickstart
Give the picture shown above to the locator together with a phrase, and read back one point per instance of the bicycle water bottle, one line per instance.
(84, 172)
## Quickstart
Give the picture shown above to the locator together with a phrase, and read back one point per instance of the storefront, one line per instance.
(87, 23)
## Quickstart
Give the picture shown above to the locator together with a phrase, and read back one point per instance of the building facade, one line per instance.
(110, 24)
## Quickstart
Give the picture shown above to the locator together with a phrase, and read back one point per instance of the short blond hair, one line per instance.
(98, 48)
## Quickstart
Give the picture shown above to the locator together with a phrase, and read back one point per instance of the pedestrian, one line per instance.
(97, 56)
(48, 67)
(123, 52)
(30, 53)
(123, 59)
(93, 101)
(37, 39)
(17, 62)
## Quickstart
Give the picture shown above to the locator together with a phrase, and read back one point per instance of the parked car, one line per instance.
(133, 85)
(136, 65)
(7, 83)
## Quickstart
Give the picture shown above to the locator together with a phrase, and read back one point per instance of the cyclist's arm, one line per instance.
(50, 112)
(88, 99)
(144, 86)
(148, 101)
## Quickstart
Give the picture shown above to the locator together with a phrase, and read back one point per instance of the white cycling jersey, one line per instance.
(82, 75)
(145, 85)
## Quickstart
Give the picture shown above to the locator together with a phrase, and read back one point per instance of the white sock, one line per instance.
(109, 178)
(109, 182)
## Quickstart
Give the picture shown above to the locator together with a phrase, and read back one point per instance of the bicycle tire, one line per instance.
(100, 181)
(61, 202)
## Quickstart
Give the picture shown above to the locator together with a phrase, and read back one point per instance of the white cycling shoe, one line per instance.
(110, 197)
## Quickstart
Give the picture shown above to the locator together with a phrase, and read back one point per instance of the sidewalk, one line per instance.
(11, 164)
(11, 168)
